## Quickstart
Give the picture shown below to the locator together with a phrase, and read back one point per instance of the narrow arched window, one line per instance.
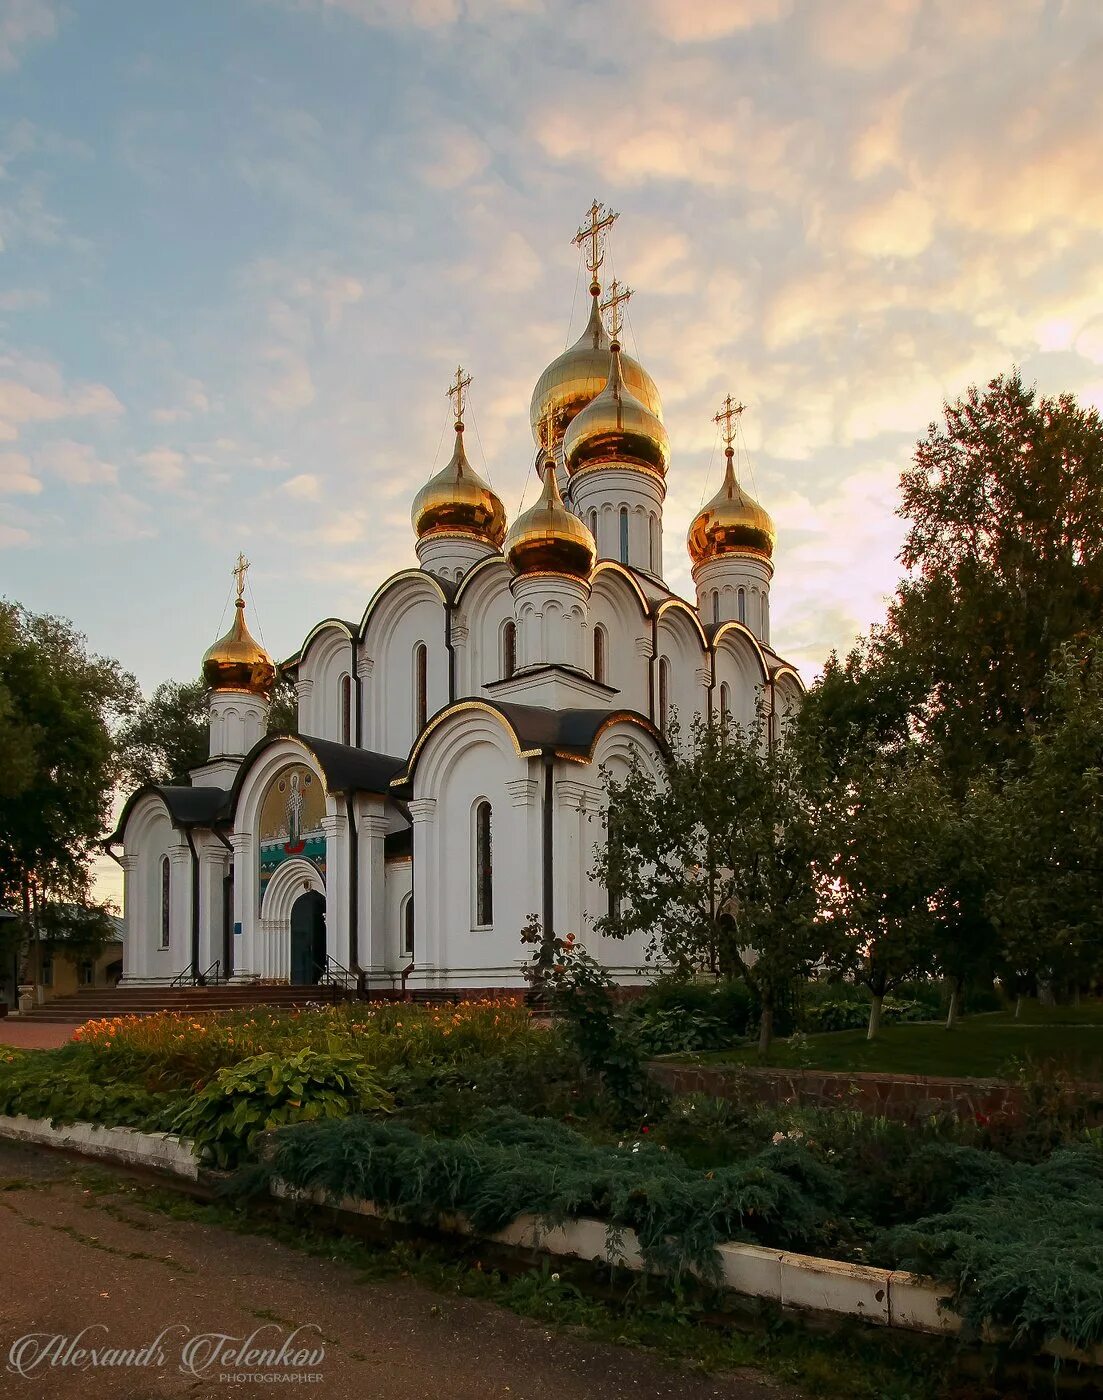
(509, 650)
(741, 603)
(765, 633)
(421, 684)
(664, 694)
(599, 655)
(652, 543)
(166, 900)
(346, 709)
(715, 605)
(408, 926)
(484, 866)
(624, 534)
(593, 524)
(725, 706)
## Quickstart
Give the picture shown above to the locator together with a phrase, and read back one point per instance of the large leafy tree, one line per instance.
(714, 859)
(167, 736)
(59, 705)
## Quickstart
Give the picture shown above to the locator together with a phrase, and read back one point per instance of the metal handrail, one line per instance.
(405, 975)
(338, 975)
(205, 978)
(185, 978)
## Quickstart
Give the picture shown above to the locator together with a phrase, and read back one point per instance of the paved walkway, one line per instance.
(73, 1259)
(32, 1035)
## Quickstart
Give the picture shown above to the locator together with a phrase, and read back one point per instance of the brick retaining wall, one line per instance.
(905, 1096)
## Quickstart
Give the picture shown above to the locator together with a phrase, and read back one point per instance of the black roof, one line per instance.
(349, 769)
(187, 806)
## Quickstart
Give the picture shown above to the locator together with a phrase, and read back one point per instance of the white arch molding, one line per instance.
(291, 879)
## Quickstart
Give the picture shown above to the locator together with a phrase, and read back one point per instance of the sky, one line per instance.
(244, 243)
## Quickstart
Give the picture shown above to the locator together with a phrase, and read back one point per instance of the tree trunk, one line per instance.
(766, 1030)
(955, 1002)
(1018, 1006)
(875, 1016)
(1045, 995)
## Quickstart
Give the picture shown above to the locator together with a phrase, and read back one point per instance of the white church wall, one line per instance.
(398, 885)
(471, 759)
(326, 657)
(616, 606)
(680, 642)
(405, 614)
(149, 840)
(483, 606)
(739, 668)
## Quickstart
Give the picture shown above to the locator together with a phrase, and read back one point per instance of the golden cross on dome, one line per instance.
(729, 416)
(618, 297)
(241, 568)
(599, 221)
(457, 392)
(547, 431)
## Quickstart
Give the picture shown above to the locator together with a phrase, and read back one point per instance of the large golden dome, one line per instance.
(731, 523)
(457, 501)
(238, 662)
(579, 374)
(547, 538)
(616, 428)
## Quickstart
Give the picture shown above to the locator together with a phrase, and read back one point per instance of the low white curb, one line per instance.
(159, 1151)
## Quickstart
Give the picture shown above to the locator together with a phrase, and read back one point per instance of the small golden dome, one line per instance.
(457, 501)
(237, 661)
(615, 428)
(579, 374)
(547, 538)
(731, 523)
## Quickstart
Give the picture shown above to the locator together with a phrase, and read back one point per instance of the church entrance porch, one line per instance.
(308, 938)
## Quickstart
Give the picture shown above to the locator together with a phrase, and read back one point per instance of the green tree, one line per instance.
(60, 705)
(714, 860)
(885, 830)
(168, 735)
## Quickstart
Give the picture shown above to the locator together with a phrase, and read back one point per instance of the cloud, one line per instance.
(165, 467)
(897, 226)
(75, 462)
(35, 392)
(12, 536)
(303, 487)
(694, 21)
(16, 478)
(22, 24)
(855, 34)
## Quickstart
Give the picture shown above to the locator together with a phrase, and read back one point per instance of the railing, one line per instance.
(335, 974)
(405, 978)
(185, 978)
(213, 975)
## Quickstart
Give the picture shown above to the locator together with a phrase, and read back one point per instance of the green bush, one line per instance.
(64, 1086)
(509, 1165)
(226, 1118)
(1023, 1249)
(675, 1015)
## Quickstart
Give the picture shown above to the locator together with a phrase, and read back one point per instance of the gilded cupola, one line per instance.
(547, 538)
(457, 501)
(579, 374)
(616, 428)
(731, 523)
(237, 661)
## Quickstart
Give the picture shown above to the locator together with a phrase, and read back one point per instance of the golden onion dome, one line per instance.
(237, 661)
(616, 428)
(579, 374)
(457, 501)
(731, 523)
(547, 538)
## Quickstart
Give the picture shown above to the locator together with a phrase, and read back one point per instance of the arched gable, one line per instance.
(409, 610)
(738, 664)
(680, 639)
(618, 605)
(327, 655)
(483, 604)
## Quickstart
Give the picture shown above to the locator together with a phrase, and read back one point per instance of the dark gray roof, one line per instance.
(349, 769)
(187, 806)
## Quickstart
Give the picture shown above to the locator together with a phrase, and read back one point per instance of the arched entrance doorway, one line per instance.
(308, 938)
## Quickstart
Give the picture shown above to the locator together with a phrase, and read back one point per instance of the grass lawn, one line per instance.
(988, 1046)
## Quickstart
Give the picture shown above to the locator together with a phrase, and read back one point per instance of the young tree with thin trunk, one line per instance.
(715, 860)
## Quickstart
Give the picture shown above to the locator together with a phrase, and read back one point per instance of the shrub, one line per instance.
(226, 1118)
(674, 1015)
(64, 1086)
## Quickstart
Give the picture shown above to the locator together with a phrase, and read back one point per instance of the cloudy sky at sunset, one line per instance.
(243, 244)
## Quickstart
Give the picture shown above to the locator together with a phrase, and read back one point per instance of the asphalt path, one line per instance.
(167, 1308)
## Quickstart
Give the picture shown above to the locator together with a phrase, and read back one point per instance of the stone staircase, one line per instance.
(95, 1003)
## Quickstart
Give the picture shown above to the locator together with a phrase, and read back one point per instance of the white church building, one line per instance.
(449, 773)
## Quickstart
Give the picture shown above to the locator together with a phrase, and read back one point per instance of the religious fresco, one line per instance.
(291, 821)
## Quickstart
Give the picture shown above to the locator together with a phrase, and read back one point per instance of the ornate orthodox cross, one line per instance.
(241, 568)
(599, 221)
(729, 416)
(618, 297)
(457, 392)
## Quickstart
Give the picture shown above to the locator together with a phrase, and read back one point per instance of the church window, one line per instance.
(47, 970)
(346, 709)
(716, 605)
(664, 694)
(408, 926)
(593, 524)
(624, 534)
(166, 894)
(509, 650)
(725, 706)
(421, 684)
(652, 544)
(765, 631)
(484, 867)
(599, 655)
(741, 597)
